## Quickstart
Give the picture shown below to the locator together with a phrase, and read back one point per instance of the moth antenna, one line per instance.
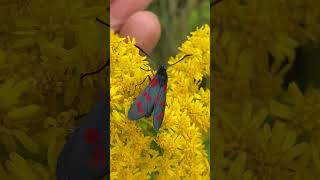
(105, 65)
(144, 52)
(135, 87)
(102, 22)
(180, 59)
(148, 70)
(97, 71)
(142, 82)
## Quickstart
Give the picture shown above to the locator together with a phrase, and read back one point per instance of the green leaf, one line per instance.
(154, 145)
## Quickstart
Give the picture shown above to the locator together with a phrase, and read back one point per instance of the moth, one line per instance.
(85, 154)
(153, 97)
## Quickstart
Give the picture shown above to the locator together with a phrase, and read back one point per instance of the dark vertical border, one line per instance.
(213, 56)
(211, 92)
(108, 92)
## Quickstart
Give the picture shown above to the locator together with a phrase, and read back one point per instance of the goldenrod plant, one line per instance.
(262, 129)
(177, 151)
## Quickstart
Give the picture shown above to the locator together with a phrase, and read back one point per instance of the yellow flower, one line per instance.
(177, 150)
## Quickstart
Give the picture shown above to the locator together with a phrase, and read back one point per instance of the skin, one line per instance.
(129, 18)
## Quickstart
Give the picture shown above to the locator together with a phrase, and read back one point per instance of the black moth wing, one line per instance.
(159, 108)
(144, 103)
(152, 99)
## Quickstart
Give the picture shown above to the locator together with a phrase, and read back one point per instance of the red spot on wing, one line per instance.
(140, 111)
(139, 108)
(98, 156)
(91, 136)
(147, 96)
(139, 104)
(162, 103)
(157, 98)
(154, 83)
(165, 88)
(159, 116)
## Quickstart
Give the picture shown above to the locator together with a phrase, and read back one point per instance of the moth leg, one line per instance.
(147, 70)
(142, 82)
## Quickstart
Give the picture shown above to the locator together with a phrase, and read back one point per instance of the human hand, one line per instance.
(128, 18)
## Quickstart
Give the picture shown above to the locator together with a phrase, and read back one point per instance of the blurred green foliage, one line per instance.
(178, 18)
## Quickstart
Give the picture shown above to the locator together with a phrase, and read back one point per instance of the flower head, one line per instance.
(177, 150)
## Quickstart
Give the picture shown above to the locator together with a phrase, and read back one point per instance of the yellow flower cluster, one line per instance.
(177, 151)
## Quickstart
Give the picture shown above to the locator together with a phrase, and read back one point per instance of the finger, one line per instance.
(144, 26)
(120, 10)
